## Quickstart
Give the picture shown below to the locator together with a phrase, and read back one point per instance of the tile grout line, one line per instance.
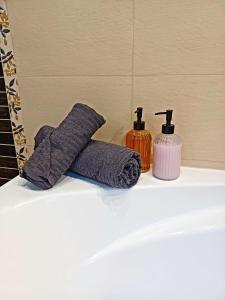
(178, 74)
(5, 156)
(75, 75)
(132, 62)
(8, 168)
(119, 75)
(203, 160)
(1, 132)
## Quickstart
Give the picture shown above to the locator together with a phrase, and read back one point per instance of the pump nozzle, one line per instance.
(139, 124)
(167, 128)
(139, 113)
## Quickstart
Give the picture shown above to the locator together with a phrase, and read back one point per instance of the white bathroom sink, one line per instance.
(83, 241)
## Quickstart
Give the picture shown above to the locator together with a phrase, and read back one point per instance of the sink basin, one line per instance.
(81, 240)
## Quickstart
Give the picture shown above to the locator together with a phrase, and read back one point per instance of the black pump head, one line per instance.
(139, 124)
(167, 128)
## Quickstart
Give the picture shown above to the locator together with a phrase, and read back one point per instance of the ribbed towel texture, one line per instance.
(111, 164)
(55, 154)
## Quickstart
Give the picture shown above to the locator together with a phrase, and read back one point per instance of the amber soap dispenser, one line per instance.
(140, 139)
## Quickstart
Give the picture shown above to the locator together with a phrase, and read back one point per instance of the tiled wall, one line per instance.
(8, 161)
(117, 54)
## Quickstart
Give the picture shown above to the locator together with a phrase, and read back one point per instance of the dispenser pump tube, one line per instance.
(139, 124)
(139, 113)
(167, 128)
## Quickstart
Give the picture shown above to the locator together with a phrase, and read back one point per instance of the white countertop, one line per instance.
(19, 189)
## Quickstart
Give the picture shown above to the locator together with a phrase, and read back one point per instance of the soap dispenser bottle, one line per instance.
(139, 139)
(167, 151)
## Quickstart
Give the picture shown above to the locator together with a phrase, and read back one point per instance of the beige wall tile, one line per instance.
(204, 164)
(179, 37)
(48, 100)
(199, 105)
(54, 41)
(82, 37)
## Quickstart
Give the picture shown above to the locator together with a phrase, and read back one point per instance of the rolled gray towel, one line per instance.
(58, 150)
(116, 166)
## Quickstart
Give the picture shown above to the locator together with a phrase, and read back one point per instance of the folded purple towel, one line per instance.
(58, 150)
(111, 164)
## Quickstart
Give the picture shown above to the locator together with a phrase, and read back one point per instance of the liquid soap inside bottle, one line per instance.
(139, 140)
(167, 151)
